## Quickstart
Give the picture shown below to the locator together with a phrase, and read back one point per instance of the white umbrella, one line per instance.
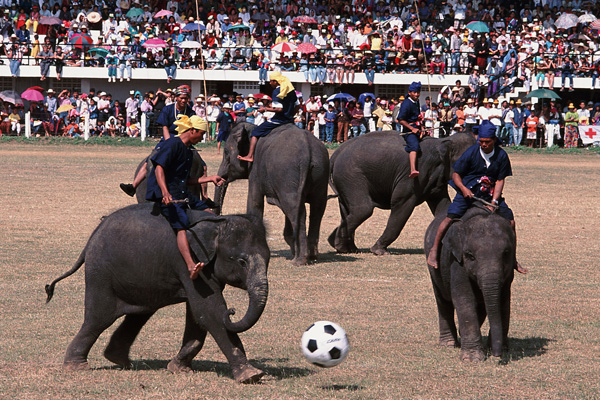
(189, 44)
(586, 18)
(566, 21)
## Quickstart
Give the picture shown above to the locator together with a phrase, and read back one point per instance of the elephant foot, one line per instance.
(247, 374)
(449, 343)
(76, 366)
(313, 253)
(379, 251)
(177, 367)
(472, 356)
(300, 261)
(119, 358)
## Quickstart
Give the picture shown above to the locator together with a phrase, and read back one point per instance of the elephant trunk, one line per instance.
(491, 290)
(258, 290)
(221, 190)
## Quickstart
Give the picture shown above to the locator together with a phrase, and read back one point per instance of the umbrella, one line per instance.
(543, 94)
(155, 44)
(38, 88)
(363, 96)
(341, 96)
(585, 18)
(10, 96)
(261, 96)
(94, 17)
(261, 16)
(566, 21)
(32, 95)
(194, 26)
(81, 40)
(306, 48)
(163, 13)
(189, 44)
(46, 20)
(134, 12)
(100, 51)
(578, 36)
(239, 27)
(305, 19)
(64, 108)
(595, 24)
(478, 26)
(284, 47)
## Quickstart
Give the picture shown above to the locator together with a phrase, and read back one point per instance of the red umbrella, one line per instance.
(261, 96)
(32, 95)
(39, 89)
(81, 40)
(306, 48)
(155, 44)
(284, 47)
(305, 19)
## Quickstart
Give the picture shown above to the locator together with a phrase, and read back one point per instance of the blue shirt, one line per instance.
(471, 166)
(169, 114)
(286, 115)
(176, 160)
(225, 121)
(409, 112)
(329, 116)
(518, 117)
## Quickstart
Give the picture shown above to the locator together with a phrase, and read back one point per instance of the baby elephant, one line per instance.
(476, 269)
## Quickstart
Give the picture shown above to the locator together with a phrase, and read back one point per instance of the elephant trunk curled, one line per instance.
(258, 291)
(221, 190)
(491, 293)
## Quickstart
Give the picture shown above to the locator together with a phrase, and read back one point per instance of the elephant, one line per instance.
(475, 273)
(198, 170)
(133, 268)
(290, 169)
(372, 171)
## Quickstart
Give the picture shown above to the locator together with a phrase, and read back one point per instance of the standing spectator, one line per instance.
(224, 122)
(571, 127)
(482, 51)
(131, 105)
(329, 123)
(368, 107)
(147, 109)
(470, 116)
(474, 83)
(430, 120)
(125, 60)
(239, 108)
(343, 123)
(212, 112)
(584, 113)
(356, 120)
(532, 125)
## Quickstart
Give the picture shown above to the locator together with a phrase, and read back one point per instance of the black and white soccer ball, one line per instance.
(325, 344)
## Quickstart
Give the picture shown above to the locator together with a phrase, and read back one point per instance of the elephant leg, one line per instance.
(317, 210)
(121, 340)
(401, 211)
(288, 234)
(193, 340)
(448, 334)
(438, 204)
(342, 238)
(468, 321)
(505, 313)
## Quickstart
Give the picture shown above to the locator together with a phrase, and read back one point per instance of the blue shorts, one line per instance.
(222, 136)
(460, 205)
(412, 142)
(265, 128)
(176, 212)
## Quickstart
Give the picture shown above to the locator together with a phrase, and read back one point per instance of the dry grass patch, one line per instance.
(53, 197)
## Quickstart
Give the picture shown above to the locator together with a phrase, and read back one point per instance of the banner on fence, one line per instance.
(589, 134)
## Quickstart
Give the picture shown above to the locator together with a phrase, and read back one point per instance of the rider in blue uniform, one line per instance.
(169, 179)
(283, 105)
(479, 172)
(409, 117)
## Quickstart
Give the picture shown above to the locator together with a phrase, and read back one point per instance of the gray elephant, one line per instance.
(198, 170)
(290, 169)
(475, 273)
(372, 171)
(133, 268)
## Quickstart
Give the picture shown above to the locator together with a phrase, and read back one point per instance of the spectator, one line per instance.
(224, 122)
(170, 64)
(125, 62)
(15, 55)
(330, 118)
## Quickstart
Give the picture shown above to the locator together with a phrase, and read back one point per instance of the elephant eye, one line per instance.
(469, 256)
(242, 262)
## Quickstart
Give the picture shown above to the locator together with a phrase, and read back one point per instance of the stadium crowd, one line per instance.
(526, 45)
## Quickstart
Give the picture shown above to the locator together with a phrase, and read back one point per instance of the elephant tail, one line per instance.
(50, 287)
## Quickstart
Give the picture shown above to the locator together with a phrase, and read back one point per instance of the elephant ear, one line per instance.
(243, 141)
(202, 237)
(454, 240)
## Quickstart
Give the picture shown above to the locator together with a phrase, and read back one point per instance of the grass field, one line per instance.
(53, 197)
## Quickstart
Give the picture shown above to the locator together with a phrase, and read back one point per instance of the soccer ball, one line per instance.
(325, 344)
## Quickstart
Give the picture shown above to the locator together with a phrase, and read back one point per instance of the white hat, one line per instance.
(50, 90)
(102, 94)
(132, 92)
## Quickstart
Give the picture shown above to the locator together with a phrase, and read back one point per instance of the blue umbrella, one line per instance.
(194, 26)
(341, 96)
(363, 96)
(238, 27)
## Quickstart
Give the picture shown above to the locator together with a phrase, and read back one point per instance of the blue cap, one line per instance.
(415, 87)
(487, 130)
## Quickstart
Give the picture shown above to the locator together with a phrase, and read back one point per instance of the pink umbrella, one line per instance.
(163, 13)
(155, 44)
(305, 19)
(32, 95)
(284, 47)
(595, 24)
(306, 48)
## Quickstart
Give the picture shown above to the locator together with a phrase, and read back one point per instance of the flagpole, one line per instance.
(416, 4)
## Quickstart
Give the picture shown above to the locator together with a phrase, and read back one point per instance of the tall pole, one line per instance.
(416, 3)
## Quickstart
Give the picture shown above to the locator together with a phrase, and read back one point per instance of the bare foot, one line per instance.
(413, 174)
(196, 270)
(520, 269)
(247, 158)
(432, 259)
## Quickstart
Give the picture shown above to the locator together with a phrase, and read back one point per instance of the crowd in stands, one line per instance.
(333, 120)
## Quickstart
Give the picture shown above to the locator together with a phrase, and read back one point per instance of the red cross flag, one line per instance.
(589, 134)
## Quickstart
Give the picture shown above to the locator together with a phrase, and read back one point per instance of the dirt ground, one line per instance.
(54, 196)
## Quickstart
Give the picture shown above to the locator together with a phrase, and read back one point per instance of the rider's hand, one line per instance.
(167, 199)
(467, 193)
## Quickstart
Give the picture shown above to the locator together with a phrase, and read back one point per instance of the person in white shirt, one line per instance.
(495, 113)
(470, 116)
(431, 119)
(212, 112)
(483, 111)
